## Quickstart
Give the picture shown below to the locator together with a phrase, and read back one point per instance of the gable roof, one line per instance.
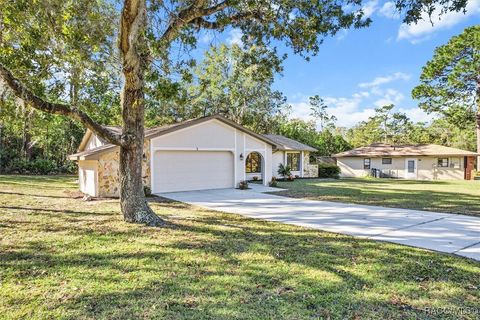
(284, 143)
(151, 133)
(381, 149)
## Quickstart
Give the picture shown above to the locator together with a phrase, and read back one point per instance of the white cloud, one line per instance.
(342, 34)
(361, 105)
(346, 109)
(417, 114)
(388, 10)
(385, 79)
(388, 96)
(206, 38)
(235, 37)
(369, 8)
(421, 31)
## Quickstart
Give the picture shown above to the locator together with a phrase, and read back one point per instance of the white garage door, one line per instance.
(192, 170)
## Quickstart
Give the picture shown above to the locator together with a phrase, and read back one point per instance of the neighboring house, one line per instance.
(207, 153)
(423, 162)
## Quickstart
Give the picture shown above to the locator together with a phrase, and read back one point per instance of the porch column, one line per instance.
(301, 164)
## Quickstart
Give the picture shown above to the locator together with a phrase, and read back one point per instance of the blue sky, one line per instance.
(359, 70)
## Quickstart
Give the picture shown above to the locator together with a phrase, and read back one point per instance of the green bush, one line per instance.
(43, 166)
(243, 185)
(37, 166)
(284, 171)
(326, 170)
(147, 191)
(273, 183)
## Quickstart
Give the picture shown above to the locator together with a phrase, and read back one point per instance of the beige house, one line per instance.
(422, 162)
(207, 153)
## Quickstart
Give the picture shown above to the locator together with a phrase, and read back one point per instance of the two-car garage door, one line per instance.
(192, 170)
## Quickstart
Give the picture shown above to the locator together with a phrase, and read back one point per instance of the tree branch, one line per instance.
(187, 15)
(22, 92)
(216, 25)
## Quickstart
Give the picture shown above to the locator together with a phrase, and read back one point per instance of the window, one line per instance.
(411, 166)
(443, 162)
(366, 163)
(253, 164)
(455, 163)
(293, 161)
(386, 160)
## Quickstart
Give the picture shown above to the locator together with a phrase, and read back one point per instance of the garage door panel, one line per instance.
(193, 170)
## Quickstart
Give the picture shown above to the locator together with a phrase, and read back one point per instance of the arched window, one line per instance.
(253, 164)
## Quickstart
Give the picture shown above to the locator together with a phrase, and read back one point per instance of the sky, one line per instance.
(359, 70)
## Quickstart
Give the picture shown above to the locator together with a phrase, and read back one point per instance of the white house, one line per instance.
(206, 153)
(418, 162)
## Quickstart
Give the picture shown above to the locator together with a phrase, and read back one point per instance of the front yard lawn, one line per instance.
(442, 196)
(61, 257)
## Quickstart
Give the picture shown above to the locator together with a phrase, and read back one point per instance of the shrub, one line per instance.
(37, 166)
(243, 185)
(284, 171)
(273, 183)
(43, 166)
(69, 167)
(328, 170)
(147, 191)
(290, 178)
(255, 178)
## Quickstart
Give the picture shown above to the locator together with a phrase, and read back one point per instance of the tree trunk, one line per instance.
(477, 122)
(478, 137)
(132, 46)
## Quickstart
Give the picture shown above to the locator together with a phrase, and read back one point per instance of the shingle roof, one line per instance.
(284, 143)
(157, 131)
(381, 149)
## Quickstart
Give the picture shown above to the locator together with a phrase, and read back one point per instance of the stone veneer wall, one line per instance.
(108, 176)
(309, 170)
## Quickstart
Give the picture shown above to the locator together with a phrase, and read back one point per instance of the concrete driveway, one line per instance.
(443, 232)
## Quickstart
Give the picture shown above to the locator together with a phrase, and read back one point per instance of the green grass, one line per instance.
(443, 196)
(64, 258)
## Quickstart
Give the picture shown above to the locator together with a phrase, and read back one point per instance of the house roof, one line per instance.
(381, 149)
(284, 143)
(151, 133)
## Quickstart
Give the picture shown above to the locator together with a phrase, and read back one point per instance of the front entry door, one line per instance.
(410, 168)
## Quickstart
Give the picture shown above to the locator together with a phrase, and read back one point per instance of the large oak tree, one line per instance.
(149, 32)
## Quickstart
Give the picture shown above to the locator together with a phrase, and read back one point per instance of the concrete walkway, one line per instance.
(451, 233)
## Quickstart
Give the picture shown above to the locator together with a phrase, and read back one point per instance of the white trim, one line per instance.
(301, 164)
(152, 166)
(235, 155)
(244, 156)
(192, 149)
(255, 150)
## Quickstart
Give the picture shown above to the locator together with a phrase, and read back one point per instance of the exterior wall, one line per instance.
(278, 157)
(88, 177)
(108, 175)
(427, 168)
(309, 170)
(93, 142)
(351, 167)
(216, 136)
